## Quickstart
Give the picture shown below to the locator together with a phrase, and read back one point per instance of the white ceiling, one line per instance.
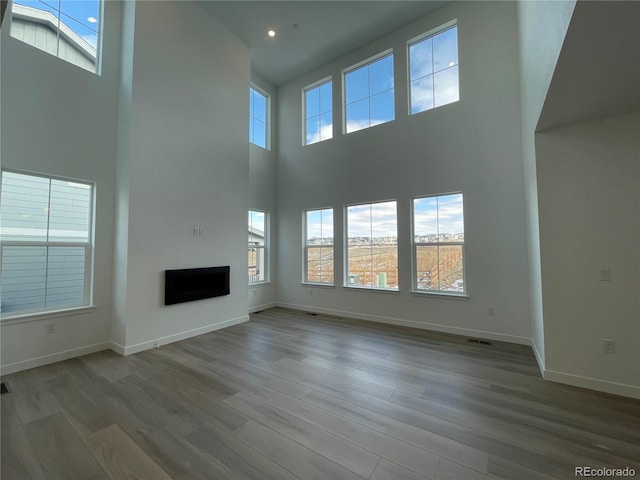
(325, 29)
(598, 71)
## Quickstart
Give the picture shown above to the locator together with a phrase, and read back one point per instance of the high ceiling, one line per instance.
(310, 33)
(598, 72)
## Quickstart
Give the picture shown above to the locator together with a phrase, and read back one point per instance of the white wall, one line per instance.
(589, 200)
(262, 196)
(473, 145)
(58, 119)
(542, 26)
(184, 164)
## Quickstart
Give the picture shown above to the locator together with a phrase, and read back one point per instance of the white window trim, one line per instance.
(423, 36)
(414, 260)
(265, 248)
(87, 301)
(346, 250)
(431, 33)
(267, 125)
(319, 83)
(373, 59)
(305, 248)
(63, 31)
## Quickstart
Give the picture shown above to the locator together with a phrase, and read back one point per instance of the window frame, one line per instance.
(67, 33)
(464, 293)
(346, 283)
(265, 249)
(318, 84)
(88, 246)
(415, 40)
(306, 247)
(364, 63)
(267, 119)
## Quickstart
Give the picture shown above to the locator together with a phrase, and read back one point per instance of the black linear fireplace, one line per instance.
(195, 284)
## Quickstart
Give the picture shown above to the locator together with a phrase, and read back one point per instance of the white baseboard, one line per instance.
(139, 347)
(499, 337)
(593, 384)
(265, 306)
(52, 358)
(539, 358)
(122, 350)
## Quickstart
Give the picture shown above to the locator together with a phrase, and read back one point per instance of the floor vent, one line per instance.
(478, 341)
(3, 388)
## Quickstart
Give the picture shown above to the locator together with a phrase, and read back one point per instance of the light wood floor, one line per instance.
(295, 396)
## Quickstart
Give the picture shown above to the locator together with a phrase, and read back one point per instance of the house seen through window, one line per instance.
(46, 243)
(67, 29)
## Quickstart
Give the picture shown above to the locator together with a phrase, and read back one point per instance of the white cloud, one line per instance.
(376, 220)
(320, 224)
(325, 132)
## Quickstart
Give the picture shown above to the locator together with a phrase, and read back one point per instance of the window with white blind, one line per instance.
(46, 243)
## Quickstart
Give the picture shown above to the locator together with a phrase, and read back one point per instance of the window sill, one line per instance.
(37, 316)
(266, 283)
(392, 291)
(321, 285)
(445, 295)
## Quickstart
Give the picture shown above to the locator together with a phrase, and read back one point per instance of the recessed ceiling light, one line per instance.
(92, 20)
(271, 33)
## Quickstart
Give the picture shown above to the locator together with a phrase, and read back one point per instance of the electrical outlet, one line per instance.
(492, 311)
(50, 328)
(604, 274)
(608, 346)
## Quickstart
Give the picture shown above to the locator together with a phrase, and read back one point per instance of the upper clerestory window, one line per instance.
(433, 69)
(318, 112)
(369, 93)
(67, 29)
(258, 118)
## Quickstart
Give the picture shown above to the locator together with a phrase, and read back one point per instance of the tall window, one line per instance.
(318, 113)
(67, 29)
(438, 239)
(369, 97)
(258, 112)
(46, 242)
(433, 70)
(318, 251)
(258, 242)
(372, 245)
